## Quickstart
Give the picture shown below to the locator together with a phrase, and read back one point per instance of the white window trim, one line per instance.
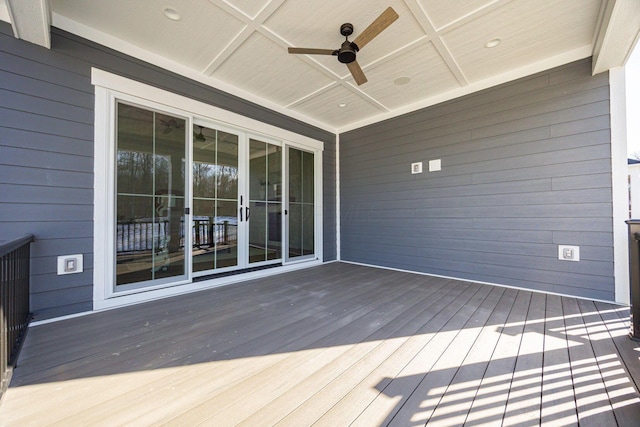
(110, 87)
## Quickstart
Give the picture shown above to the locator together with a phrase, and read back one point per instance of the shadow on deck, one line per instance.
(334, 345)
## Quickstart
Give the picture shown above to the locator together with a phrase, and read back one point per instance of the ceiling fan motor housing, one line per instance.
(347, 52)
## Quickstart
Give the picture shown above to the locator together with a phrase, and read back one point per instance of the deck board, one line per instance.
(558, 402)
(460, 393)
(338, 344)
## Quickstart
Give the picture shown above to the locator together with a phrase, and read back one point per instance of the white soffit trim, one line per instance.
(120, 45)
(31, 20)
(618, 33)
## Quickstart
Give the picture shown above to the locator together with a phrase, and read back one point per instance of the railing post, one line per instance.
(634, 277)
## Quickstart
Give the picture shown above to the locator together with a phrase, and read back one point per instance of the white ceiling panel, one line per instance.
(240, 46)
(428, 76)
(569, 24)
(200, 33)
(445, 12)
(266, 69)
(326, 106)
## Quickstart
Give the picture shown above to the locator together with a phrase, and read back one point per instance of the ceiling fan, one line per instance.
(347, 52)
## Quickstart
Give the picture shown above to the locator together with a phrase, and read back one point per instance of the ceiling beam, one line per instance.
(31, 20)
(618, 33)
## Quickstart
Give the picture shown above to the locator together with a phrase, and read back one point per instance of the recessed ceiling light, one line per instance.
(493, 43)
(400, 81)
(171, 13)
(342, 104)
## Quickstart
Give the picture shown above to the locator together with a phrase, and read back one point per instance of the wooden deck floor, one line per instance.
(334, 345)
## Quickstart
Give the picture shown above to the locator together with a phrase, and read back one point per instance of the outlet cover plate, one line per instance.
(70, 264)
(568, 253)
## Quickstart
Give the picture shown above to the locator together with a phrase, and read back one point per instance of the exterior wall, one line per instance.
(46, 154)
(526, 166)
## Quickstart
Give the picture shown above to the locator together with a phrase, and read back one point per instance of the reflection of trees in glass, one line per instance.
(203, 179)
(136, 171)
(207, 177)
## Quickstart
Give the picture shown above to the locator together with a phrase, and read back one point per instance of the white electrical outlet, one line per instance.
(69, 264)
(568, 253)
(416, 167)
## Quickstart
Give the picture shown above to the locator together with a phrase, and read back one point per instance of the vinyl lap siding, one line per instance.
(46, 154)
(526, 166)
(46, 167)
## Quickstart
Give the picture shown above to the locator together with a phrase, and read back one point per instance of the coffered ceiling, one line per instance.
(436, 50)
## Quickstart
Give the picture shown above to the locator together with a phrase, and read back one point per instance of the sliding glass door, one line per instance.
(195, 199)
(150, 197)
(301, 204)
(265, 202)
(215, 200)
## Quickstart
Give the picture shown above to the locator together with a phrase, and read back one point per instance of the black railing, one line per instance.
(14, 303)
(138, 236)
(209, 233)
(634, 278)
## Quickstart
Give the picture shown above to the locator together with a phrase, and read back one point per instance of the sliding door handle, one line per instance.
(241, 215)
(247, 218)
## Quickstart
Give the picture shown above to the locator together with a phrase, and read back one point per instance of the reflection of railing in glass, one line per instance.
(206, 232)
(138, 236)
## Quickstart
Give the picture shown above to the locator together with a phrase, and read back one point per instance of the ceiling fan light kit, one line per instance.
(349, 49)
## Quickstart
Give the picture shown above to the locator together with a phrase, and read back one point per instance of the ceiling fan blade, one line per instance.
(305, 51)
(357, 72)
(385, 19)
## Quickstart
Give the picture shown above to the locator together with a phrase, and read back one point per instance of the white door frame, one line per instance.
(110, 87)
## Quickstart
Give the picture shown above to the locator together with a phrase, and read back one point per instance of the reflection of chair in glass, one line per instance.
(161, 259)
(161, 237)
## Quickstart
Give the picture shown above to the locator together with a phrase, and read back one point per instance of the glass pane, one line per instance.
(135, 150)
(308, 244)
(226, 234)
(257, 232)
(169, 144)
(227, 161)
(295, 175)
(274, 231)
(265, 194)
(301, 203)
(274, 173)
(215, 182)
(295, 230)
(149, 195)
(203, 230)
(257, 170)
(169, 242)
(135, 230)
(307, 177)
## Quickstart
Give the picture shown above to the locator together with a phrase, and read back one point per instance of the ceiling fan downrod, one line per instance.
(347, 52)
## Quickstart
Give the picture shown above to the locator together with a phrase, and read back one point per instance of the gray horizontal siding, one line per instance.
(525, 167)
(46, 153)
